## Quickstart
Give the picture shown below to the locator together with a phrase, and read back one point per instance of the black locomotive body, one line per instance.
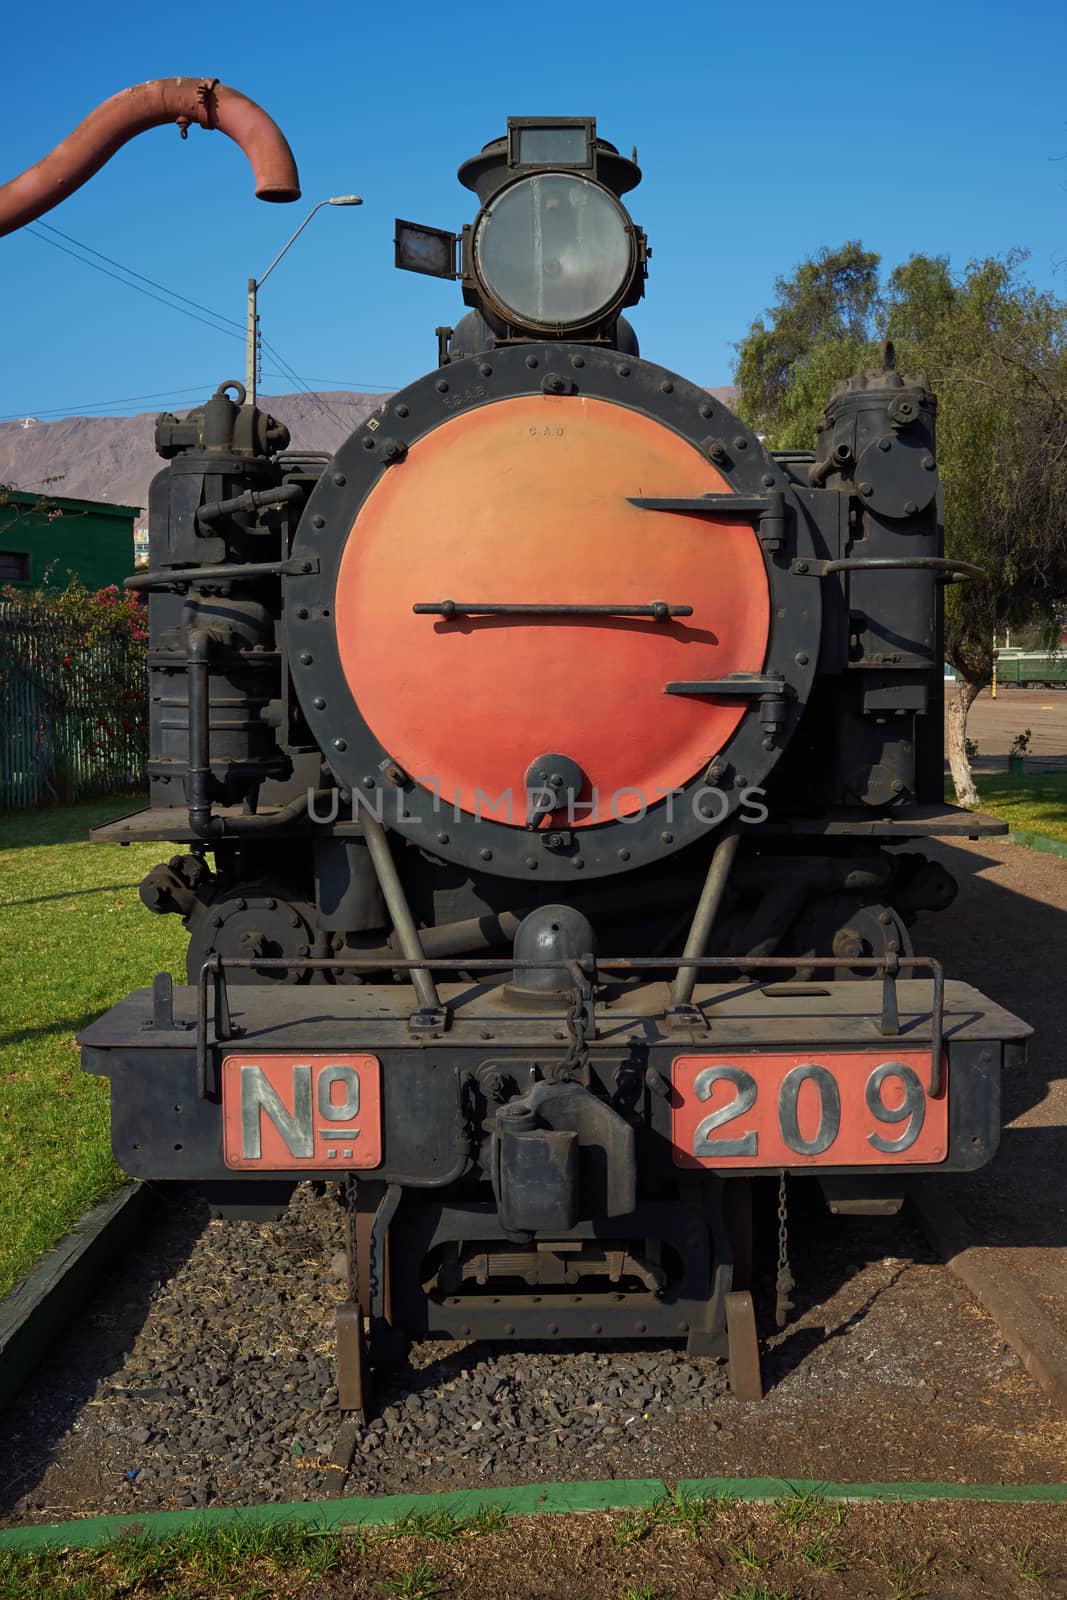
(540, 766)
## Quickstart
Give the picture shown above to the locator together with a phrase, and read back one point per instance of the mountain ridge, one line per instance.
(113, 459)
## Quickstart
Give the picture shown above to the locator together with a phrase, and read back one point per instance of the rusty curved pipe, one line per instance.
(132, 111)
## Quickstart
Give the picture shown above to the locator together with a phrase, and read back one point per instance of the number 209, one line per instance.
(911, 1110)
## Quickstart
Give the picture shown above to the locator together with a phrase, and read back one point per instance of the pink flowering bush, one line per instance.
(79, 659)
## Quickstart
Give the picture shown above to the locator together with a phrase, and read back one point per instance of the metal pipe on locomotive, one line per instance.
(540, 764)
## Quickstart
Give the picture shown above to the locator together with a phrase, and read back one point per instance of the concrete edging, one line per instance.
(1037, 841)
(1038, 1342)
(534, 1499)
(35, 1311)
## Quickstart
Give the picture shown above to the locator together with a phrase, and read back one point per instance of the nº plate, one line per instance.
(314, 1111)
(831, 1108)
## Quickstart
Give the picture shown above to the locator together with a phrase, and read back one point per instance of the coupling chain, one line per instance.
(577, 1022)
(349, 1196)
(785, 1282)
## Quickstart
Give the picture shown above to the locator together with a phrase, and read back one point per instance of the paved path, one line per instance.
(1007, 934)
(993, 724)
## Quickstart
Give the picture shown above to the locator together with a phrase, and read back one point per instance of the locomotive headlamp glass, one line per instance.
(553, 249)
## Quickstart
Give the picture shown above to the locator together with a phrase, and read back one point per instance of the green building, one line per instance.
(47, 539)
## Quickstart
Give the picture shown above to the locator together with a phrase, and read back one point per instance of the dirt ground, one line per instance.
(789, 1550)
(1007, 934)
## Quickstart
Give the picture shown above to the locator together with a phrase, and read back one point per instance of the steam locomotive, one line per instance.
(544, 770)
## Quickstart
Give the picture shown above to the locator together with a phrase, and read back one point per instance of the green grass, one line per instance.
(677, 1511)
(1034, 802)
(75, 939)
(188, 1563)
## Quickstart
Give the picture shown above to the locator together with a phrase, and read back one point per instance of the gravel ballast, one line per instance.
(202, 1373)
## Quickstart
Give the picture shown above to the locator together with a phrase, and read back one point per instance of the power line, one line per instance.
(287, 370)
(130, 271)
(135, 287)
(85, 406)
(360, 384)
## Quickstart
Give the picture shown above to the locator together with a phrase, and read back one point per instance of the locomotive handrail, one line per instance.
(946, 564)
(224, 572)
(658, 610)
(584, 970)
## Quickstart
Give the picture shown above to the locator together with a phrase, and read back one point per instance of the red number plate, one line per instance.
(832, 1108)
(313, 1111)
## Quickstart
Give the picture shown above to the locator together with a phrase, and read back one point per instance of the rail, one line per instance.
(584, 971)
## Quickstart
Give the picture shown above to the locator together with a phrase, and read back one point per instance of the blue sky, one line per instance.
(763, 131)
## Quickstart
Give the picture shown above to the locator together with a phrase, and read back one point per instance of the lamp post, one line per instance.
(255, 284)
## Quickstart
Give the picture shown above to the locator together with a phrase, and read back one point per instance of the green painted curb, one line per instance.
(533, 1499)
(786, 1488)
(1038, 841)
(336, 1515)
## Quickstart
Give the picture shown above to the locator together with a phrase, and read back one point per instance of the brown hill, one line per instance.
(113, 458)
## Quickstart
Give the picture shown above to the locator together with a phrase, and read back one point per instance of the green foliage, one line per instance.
(994, 350)
(73, 662)
(820, 330)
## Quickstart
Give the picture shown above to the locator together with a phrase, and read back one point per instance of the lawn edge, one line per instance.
(537, 1499)
(1042, 842)
(34, 1313)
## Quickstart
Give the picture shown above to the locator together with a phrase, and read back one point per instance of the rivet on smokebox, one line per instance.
(866, 489)
(340, 744)
(318, 522)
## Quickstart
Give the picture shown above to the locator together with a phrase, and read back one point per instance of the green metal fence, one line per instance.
(72, 711)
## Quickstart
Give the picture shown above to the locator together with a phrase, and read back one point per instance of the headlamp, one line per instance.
(554, 250)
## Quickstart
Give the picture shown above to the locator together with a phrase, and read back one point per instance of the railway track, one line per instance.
(201, 1372)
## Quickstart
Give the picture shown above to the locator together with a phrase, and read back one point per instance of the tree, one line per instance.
(994, 349)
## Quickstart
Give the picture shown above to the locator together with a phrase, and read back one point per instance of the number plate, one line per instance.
(832, 1108)
(313, 1111)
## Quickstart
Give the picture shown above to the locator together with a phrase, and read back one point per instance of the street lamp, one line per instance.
(255, 284)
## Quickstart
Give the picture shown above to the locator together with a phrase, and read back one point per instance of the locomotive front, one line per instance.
(542, 760)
